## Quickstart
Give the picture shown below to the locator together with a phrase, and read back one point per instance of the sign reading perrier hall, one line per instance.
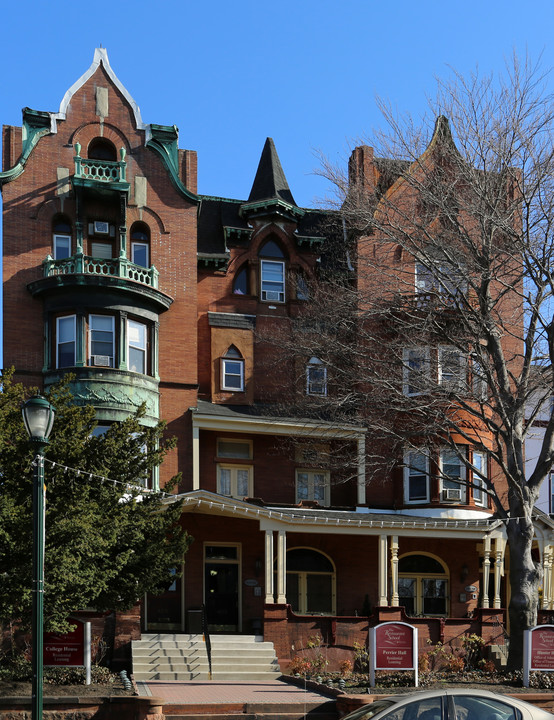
(393, 646)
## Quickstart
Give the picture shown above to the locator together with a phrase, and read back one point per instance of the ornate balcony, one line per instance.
(100, 170)
(115, 267)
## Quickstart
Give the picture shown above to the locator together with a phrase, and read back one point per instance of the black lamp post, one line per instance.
(38, 416)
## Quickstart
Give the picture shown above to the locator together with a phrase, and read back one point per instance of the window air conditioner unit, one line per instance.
(453, 494)
(273, 295)
(101, 227)
(101, 360)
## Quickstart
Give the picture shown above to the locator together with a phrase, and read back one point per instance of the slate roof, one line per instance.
(270, 180)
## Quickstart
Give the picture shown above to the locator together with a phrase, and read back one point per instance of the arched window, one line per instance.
(232, 370)
(272, 272)
(302, 289)
(316, 377)
(140, 244)
(240, 281)
(61, 238)
(311, 582)
(102, 149)
(422, 585)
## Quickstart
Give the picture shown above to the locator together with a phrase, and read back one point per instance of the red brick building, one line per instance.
(116, 269)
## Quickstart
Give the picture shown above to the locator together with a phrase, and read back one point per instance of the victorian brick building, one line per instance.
(117, 270)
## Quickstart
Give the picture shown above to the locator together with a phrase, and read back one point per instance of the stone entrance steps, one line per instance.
(183, 658)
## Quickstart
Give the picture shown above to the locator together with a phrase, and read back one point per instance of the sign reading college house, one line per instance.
(393, 646)
(538, 649)
(71, 649)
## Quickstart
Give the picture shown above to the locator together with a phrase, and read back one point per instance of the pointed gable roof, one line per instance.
(270, 193)
(270, 181)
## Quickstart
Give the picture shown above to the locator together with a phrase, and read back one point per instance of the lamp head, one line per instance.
(38, 416)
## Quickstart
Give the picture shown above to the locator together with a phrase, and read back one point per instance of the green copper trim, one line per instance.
(115, 394)
(215, 260)
(164, 141)
(234, 235)
(304, 240)
(272, 206)
(36, 124)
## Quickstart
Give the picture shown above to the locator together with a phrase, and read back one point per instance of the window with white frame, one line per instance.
(316, 377)
(136, 346)
(479, 475)
(232, 370)
(441, 277)
(452, 368)
(273, 280)
(416, 477)
(139, 253)
(65, 341)
(62, 246)
(312, 485)
(235, 481)
(101, 340)
(417, 370)
(452, 475)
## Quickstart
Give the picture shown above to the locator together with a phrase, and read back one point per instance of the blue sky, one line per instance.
(229, 74)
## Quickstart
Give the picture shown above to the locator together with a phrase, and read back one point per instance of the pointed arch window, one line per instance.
(240, 281)
(232, 370)
(272, 272)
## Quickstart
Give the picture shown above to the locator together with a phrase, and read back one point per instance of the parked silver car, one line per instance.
(449, 704)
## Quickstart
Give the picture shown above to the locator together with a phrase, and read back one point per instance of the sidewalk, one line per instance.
(213, 693)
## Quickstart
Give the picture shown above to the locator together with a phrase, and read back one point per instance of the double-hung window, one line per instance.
(232, 370)
(316, 377)
(136, 346)
(62, 246)
(312, 485)
(234, 480)
(101, 340)
(273, 280)
(416, 477)
(453, 473)
(417, 370)
(479, 475)
(452, 369)
(65, 341)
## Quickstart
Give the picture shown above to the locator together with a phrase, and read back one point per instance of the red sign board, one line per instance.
(542, 648)
(394, 648)
(65, 648)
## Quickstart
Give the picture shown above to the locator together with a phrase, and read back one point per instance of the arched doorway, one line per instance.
(311, 582)
(423, 585)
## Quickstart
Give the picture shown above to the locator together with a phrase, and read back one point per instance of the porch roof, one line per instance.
(344, 522)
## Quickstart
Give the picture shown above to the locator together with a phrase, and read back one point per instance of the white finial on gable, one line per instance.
(100, 57)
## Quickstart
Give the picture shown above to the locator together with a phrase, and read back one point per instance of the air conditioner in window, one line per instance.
(101, 360)
(453, 494)
(101, 227)
(274, 295)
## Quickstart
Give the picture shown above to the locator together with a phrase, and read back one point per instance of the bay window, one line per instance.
(453, 474)
(101, 340)
(136, 346)
(479, 475)
(416, 477)
(65, 341)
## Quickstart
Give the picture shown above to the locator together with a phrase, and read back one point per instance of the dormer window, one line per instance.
(272, 273)
(232, 371)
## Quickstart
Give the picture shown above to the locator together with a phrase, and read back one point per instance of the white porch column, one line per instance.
(498, 570)
(486, 572)
(383, 562)
(394, 570)
(547, 577)
(195, 458)
(361, 471)
(269, 596)
(282, 567)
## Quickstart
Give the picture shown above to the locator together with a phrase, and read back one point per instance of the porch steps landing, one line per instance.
(182, 657)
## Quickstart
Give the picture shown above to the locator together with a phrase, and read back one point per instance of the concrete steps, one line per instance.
(183, 658)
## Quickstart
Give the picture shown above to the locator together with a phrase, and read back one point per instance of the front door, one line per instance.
(222, 587)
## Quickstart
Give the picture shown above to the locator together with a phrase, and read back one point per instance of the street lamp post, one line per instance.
(38, 416)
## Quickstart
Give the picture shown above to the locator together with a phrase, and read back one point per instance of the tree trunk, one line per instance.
(525, 576)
